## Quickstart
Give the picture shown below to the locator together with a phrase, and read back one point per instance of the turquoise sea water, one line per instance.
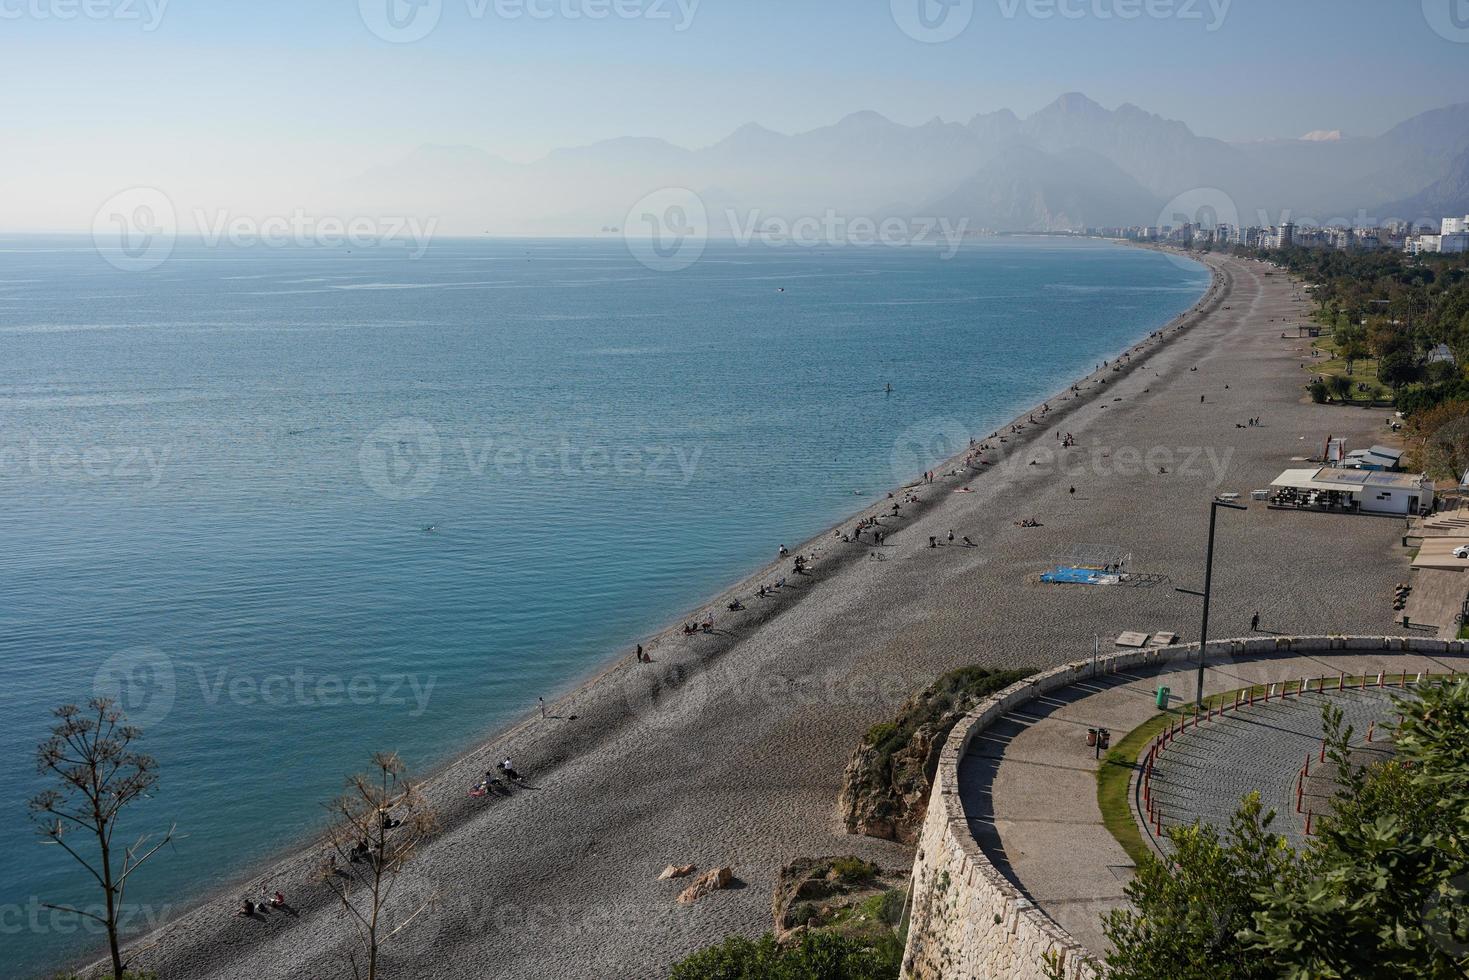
(293, 505)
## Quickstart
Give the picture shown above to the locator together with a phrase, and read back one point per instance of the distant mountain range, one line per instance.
(1073, 164)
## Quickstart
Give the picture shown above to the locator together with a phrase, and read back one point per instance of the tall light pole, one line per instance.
(1214, 506)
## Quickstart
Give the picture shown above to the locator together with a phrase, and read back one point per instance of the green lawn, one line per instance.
(1363, 371)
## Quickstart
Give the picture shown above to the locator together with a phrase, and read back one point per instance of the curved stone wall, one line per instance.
(967, 921)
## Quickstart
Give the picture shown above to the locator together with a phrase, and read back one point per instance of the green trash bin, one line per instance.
(1163, 692)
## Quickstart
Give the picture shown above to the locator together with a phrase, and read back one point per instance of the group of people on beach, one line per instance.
(251, 908)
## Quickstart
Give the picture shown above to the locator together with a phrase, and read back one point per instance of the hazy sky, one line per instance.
(260, 94)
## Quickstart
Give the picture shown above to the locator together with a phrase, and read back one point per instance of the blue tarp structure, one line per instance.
(1079, 576)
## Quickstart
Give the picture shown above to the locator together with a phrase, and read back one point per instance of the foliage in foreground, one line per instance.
(1382, 890)
(818, 956)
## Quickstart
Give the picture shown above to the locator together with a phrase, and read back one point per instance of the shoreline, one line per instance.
(616, 693)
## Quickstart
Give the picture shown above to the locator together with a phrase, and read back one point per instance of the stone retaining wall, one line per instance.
(967, 921)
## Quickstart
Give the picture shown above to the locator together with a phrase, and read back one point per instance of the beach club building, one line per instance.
(1366, 491)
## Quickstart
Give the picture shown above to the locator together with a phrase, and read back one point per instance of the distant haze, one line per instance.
(1071, 165)
(557, 116)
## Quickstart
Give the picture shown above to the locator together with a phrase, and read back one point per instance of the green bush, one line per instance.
(819, 956)
(853, 870)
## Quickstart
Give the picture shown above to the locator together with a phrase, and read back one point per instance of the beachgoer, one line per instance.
(951, 535)
(1255, 622)
(542, 703)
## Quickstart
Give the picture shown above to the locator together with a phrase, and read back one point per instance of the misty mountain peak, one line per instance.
(1076, 104)
(866, 119)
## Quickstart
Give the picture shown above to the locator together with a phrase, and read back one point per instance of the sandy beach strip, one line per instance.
(729, 747)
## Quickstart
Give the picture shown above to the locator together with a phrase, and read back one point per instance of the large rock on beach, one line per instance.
(886, 784)
(710, 881)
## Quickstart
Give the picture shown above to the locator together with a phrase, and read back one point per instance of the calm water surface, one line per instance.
(295, 505)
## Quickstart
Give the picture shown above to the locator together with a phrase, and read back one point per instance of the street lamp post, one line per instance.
(1208, 588)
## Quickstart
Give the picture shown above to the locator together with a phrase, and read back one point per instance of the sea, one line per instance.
(292, 505)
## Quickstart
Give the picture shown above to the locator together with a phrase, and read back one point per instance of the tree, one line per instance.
(1381, 891)
(1340, 387)
(379, 823)
(1385, 889)
(1351, 344)
(97, 772)
(1186, 915)
(1397, 369)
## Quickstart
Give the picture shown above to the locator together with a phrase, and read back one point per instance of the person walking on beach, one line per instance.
(542, 703)
(951, 535)
(1255, 622)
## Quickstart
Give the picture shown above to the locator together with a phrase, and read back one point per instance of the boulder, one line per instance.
(710, 881)
(886, 785)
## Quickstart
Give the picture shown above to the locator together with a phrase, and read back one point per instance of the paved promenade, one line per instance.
(1029, 787)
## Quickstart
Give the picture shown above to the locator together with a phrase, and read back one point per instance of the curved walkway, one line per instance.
(1027, 783)
(1262, 747)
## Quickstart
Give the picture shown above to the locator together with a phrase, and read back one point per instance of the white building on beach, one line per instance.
(1353, 491)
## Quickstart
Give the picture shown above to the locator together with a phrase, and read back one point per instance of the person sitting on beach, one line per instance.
(736, 606)
(967, 542)
(248, 909)
(707, 626)
(783, 551)
(278, 900)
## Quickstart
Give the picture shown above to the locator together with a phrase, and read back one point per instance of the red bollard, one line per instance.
(1322, 757)
(1307, 770)
(1300, 792)
(1340, 681)
(1369, 730)
(1309, 815)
